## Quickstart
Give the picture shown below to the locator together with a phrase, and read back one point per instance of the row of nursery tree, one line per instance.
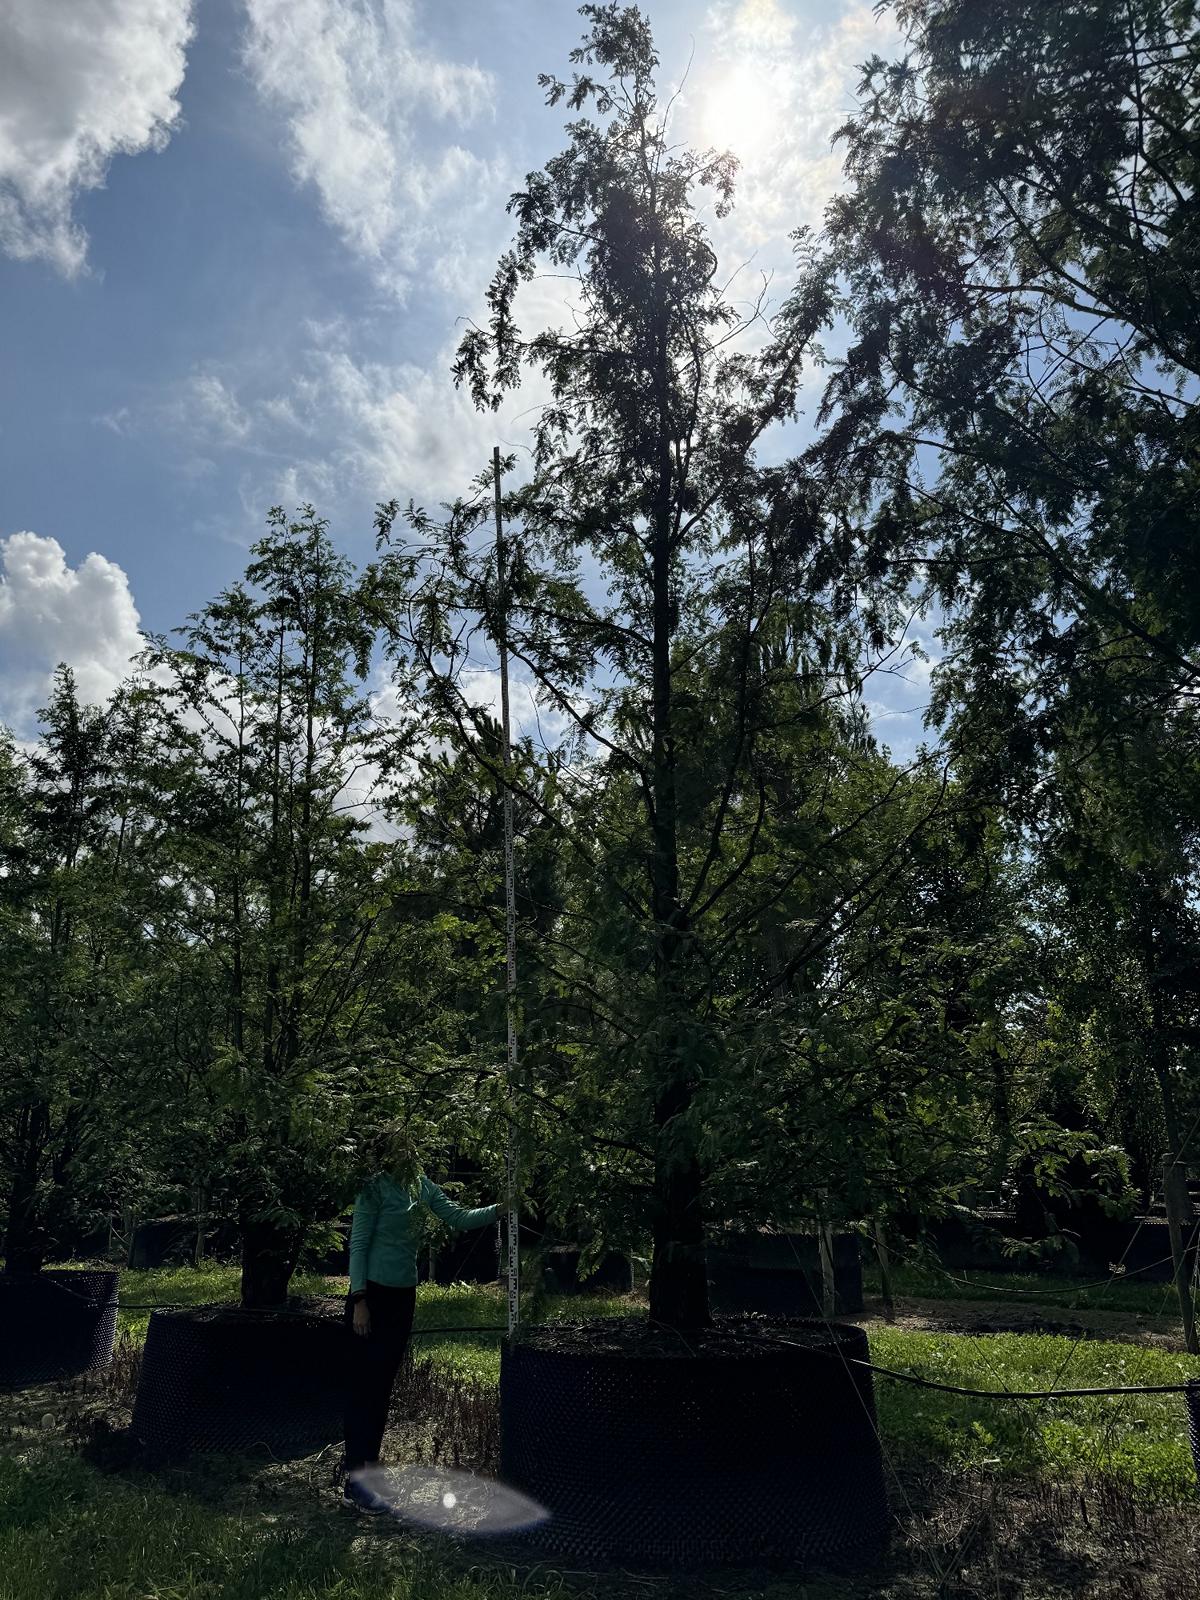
(255, 902)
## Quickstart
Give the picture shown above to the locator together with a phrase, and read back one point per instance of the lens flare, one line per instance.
(738, 112)
(452, 1502)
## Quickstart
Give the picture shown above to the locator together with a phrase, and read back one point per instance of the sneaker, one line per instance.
(356, 1494)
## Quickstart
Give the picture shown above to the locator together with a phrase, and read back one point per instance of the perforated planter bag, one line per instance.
(217, 1378)
(780, 1274)
(773, 1291)
(560, 1268)
(55, 1325)
(746, 1451)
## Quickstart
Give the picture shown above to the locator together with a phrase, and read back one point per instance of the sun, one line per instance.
(738, 112)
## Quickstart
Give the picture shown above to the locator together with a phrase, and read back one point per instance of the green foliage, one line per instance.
(1013, 423)
(765, 972)
(83, 862)
(1016, 255)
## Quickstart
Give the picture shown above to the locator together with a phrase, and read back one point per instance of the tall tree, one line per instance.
(1016, 256)
(80, 858)
(687, 612)
(1015, 418)
(303, 913)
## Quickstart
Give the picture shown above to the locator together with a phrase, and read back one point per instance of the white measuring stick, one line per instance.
(513, 1262)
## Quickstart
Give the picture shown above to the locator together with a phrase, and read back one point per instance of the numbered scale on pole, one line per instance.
(512, 1262)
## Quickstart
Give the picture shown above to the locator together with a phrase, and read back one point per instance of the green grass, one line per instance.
(1138, 1441)
(1033, 1290)
(244, 1531)
(66, 1533)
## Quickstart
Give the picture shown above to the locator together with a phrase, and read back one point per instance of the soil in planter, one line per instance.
(327, 1309)
(744, 1337)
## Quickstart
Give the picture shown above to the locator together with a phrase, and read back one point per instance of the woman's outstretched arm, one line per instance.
(460, 1217)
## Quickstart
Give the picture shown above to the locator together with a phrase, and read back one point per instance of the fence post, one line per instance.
(825, 1249)
(1181, 1226)
(200, 1198)
(885, 1268)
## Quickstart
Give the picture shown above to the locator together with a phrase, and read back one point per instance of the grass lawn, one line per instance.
(1038, 1290)
(1086, 1499)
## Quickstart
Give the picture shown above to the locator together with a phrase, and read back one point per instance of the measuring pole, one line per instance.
(513, 1264)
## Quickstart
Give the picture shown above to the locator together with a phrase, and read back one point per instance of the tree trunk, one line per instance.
(1181, 1224)
(25, 1241)
(883, 1255)
(1160, 1044)
(678, 1274)
(269, 1256)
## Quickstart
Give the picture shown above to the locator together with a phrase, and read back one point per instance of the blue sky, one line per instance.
(236, 237)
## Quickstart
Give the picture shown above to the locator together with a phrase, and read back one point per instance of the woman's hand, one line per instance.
(362, 1319)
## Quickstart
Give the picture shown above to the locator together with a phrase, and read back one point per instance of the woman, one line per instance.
(384, 1237)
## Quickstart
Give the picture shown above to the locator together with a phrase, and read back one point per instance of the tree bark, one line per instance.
(25, 1242)
(1181, 1224)
(1160, 1052)
(269, 1256)
(678, 1274)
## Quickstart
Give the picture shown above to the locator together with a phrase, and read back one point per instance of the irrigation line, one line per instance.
(1075, 1288)
(981, 1394)
(939, 1568)
(855, 1361)
(1041, 1401)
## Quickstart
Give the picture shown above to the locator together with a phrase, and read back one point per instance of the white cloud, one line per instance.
(357, 90)
(211, 403)
(775, 91)
(51, 612)
(81, 81)
(398, 429)
(349, 427)
(534, 714)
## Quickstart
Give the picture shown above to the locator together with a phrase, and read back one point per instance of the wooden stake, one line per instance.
(513, 1262)
(1181, 1226)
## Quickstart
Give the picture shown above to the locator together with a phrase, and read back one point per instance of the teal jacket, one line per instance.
(386, 1230)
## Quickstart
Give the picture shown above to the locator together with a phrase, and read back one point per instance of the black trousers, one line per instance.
(372, 1364)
